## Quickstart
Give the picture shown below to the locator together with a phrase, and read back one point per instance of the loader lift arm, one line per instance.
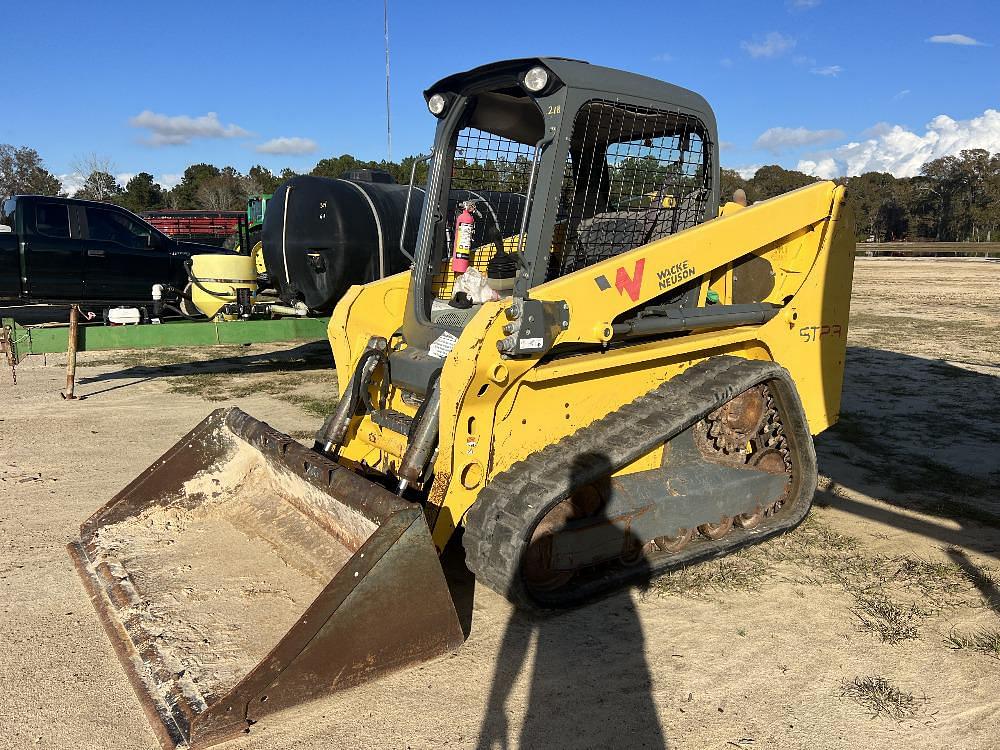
(598, 296)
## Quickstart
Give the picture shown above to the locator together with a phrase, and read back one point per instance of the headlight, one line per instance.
(436, 105)
(536, 79)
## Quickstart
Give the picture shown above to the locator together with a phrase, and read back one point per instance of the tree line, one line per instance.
(954, 198)
(202, 186)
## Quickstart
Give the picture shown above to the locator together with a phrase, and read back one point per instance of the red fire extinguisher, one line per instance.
(465, 230)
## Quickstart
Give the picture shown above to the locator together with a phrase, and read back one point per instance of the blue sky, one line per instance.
(794, 82)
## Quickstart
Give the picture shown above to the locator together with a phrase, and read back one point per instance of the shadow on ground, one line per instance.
(589, 684)
(900, 442)
(917, 434)
(149, 365)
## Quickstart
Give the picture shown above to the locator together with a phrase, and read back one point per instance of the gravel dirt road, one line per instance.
(875, 624)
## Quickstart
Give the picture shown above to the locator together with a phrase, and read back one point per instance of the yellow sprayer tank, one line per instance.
(217, 279)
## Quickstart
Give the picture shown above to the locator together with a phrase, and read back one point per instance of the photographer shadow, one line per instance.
(589, 684)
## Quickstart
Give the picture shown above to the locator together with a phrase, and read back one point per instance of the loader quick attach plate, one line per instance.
(242, 574)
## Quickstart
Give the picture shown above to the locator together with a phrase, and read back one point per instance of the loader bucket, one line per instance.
(243, 573)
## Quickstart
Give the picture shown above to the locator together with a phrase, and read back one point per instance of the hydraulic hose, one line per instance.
(179, 311)
(418, 417)
(194, 280)
(423, 438)
(331, 435)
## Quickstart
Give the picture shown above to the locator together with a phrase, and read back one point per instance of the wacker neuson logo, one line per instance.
(631, 284)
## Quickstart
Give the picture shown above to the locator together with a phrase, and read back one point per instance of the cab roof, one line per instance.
(576, 74)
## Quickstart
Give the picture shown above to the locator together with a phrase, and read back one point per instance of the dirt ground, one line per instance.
(875, 624)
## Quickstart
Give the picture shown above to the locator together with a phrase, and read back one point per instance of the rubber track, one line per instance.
(500, 523)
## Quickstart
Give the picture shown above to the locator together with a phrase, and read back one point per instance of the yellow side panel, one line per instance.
(492, 419)
(809, 337)
(558, 399)
(375, 309)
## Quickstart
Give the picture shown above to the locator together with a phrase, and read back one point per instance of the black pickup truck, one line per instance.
(67, 250)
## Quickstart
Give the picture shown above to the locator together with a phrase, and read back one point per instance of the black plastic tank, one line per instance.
(323, 235)
(368, 175)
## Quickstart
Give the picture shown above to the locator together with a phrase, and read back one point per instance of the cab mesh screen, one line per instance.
(493, 171)
(633, 175)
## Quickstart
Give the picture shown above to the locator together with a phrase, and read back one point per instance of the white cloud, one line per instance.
(876, 130)
(725, 145)
(901, 94)
(169, 180)
(178, 130)
(777, 140)
(827, 70)
(664, 57)
(71, 182)
(283, 145)
(801, 4)
(903, 152)
(772, 45)
(824, 168)
(960, 39)
(748, 171)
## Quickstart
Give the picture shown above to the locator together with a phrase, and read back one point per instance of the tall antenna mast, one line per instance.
(388, 118)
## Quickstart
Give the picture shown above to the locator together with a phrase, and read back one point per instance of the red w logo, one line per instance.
(623, 283)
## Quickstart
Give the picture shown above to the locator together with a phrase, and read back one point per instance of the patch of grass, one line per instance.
(281, 385)
(740, 571)
(880, 697)
(317, 407)
(204, 386)
(878, 614)
(812, 536)
(814, 554)
(985, 641)
(933, 579)
(156, 357)
(984, 578)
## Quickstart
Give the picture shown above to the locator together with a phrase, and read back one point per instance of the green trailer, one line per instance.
(18, 342)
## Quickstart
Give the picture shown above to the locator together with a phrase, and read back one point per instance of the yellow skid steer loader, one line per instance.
(627, 384)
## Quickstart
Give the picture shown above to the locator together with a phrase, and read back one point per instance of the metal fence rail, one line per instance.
(930, 249)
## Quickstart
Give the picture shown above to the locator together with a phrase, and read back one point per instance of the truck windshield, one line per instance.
(7, 214)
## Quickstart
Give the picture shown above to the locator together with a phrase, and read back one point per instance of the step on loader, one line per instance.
(627, 384)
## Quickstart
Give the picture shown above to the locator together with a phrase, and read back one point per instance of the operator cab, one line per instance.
(560, 164)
